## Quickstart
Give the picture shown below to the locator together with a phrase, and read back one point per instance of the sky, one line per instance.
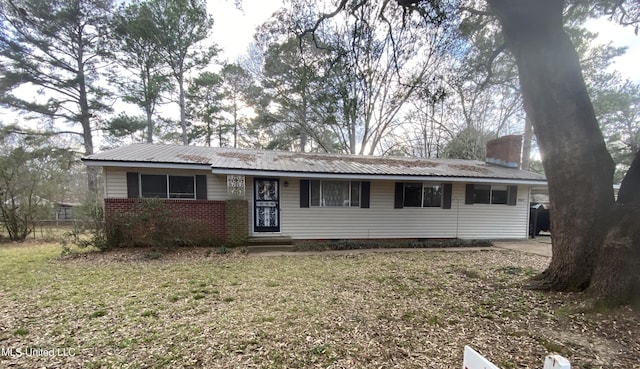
(629, 63)
(234, 28)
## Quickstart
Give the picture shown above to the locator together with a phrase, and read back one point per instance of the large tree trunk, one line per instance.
(183, 111)
(617, 274)
(578, 166)
(85, 121)
(526, 145)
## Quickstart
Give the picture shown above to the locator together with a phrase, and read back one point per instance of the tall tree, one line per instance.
(205, 101)
(485, 88)
(182, 26)
(134, 49)
(596, 243)
(239, 89)
(618, 108)
(426, 133)
(380, 67)
(52, 48)
(367, 74)
(292, 89)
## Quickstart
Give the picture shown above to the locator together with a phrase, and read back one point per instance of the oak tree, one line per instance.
(596, 243)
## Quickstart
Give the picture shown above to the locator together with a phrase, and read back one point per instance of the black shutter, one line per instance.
(468, 194)
(446, 195)
(365, 193)
(513, 195)
(398, 201)
(201, 187)
(133, 185)
(304, 193)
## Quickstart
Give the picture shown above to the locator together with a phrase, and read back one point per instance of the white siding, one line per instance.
(116, 181)
(381, 220)
(482, 221)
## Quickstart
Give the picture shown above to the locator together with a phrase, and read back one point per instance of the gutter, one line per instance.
(388, 177)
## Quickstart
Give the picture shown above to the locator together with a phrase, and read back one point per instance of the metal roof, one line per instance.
(261, 162)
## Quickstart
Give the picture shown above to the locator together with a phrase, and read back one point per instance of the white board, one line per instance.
(556, 362)
(473, 360)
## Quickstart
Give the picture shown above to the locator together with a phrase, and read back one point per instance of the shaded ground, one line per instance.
(194, 308)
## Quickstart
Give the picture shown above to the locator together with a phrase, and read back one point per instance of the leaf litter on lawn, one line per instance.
(194, 308)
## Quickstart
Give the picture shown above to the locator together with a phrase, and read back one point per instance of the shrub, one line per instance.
(152, 224)
(149, 224)
(90, 230)
(377, 244)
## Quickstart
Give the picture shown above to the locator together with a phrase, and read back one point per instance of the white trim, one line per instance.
(140, 164)
(378, 177)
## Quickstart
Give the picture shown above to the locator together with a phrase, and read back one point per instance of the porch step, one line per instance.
(270, 241)
(267, 248)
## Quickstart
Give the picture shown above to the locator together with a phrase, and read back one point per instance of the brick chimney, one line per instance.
(505, 151)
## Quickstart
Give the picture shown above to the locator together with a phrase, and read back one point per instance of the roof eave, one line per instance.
(143, 164)
(387, 177)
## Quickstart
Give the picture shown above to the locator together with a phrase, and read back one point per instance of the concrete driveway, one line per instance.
(541, 245)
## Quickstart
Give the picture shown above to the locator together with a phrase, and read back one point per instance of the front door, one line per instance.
(266, 204)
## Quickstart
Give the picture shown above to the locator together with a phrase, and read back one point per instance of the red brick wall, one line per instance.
(505, 151)
(237, 222)
(208, 213)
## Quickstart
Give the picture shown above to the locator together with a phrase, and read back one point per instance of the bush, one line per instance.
(90, 230)
(152, 224)
(149, 224)
(377, 244)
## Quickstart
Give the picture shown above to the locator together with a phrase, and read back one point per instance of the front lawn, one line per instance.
(195, 308)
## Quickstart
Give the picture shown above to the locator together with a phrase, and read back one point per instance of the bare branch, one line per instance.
(325, 16)
(489, 64)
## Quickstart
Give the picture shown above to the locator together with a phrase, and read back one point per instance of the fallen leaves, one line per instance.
(384, 310)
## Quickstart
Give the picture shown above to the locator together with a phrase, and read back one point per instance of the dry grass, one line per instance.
(194, 308)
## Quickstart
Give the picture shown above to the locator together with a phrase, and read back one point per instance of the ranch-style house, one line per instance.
(236, 194)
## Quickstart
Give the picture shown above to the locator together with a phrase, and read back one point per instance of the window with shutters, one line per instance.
(491, 194)
(422, 195)
(167, 186)
(334, 193)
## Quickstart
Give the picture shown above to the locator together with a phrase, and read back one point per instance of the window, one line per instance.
(413, 195)
(491, 194)
(422, 195)
(165, 186)
(181, 187)
(153, 186)
(499, 194)
(334, 193)
(482, 194)
(432, 197)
